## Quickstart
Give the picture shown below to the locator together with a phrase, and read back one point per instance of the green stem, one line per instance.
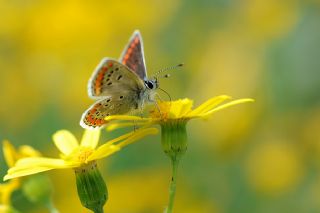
(99, 210)
(172, 189)
(51, 207)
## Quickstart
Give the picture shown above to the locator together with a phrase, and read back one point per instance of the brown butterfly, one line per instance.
(119, 87)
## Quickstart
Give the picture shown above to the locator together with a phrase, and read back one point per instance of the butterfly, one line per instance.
(119, 87)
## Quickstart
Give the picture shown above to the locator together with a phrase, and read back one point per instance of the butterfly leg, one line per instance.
(158, 96)
(140, 109)
(135, 126)
(158, 108)
(156, 104)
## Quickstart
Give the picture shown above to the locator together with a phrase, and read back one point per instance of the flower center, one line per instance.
(80, 155)
(84, 153)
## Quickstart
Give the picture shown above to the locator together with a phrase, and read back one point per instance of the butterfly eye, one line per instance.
(149, 84)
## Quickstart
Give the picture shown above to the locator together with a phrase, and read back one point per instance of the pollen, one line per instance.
(162, 111)
(83, 154)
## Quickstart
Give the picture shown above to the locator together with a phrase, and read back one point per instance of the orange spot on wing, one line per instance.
(99, 79)
(97, 87)
(129, 51)
(90, 119)
(97, 90)
(133, 45)
(100, 122)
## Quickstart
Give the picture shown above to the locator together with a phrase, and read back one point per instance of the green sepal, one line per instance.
(174, 138)
(91, 187)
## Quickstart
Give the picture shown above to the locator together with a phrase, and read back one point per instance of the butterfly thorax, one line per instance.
(147, 96)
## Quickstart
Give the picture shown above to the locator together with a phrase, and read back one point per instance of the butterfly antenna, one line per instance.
(165, 93)
(167, 68)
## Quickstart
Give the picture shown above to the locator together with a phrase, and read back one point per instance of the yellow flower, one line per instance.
(74, 155)
(173, 117)
(176, 110)
(82, 157)
(11, 155)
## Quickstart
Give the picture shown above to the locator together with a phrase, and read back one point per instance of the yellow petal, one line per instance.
(138, 135)
(65, 141)
(103, 151)
(32, 165)
(186, 107)
(114, 126)
(232, 103)
(41, 162)
(25, 172)
(90, 138)
(125, 118)
(109, 147)
(208, 105)
(122, 137)
(176, 109)
(9, 153)
(28, 151)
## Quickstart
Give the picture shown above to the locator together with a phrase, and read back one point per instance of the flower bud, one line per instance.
(38, 189)
(91, 187)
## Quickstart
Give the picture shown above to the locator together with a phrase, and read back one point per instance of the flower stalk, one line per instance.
(173, 183)
(174, 144)
(51, 208)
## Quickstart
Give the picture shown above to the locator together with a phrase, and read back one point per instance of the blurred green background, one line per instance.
(261, 157)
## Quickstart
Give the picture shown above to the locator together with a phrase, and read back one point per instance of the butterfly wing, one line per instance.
(118, 90)
(110, 77)
(133, 55)
(93, 117)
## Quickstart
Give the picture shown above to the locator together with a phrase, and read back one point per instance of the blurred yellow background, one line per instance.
(262, 157)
